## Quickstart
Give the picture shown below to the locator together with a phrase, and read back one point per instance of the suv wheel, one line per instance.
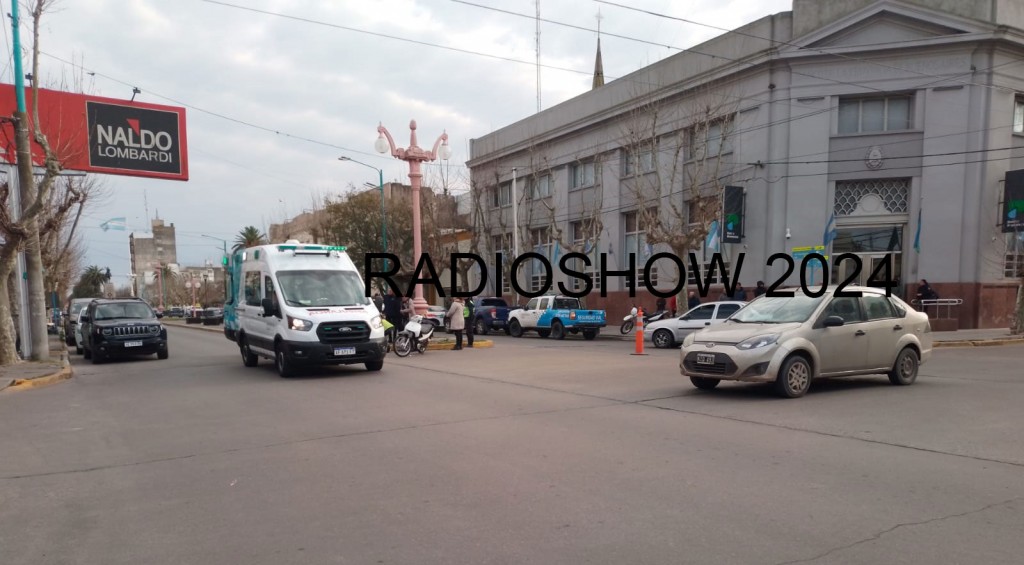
(163, 353)
(87, 353)
(794, 378)
(375, 365)
(97, 358)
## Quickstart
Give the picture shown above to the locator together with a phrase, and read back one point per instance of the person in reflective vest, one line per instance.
(469, 314)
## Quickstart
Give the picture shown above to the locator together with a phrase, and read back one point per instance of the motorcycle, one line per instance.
(629, 321)
(416, 335)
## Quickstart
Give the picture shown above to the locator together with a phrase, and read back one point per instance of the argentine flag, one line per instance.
(114, 224)
(713, 241)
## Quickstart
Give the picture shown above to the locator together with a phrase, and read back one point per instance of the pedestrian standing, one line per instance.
(672, 305)
(760, 289)
(470, 316)
(393, 308)
(457, 321)
(408, 311)
(693, 301)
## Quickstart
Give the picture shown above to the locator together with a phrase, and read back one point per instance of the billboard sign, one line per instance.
(732, 209)
(103, 135)
(1013, 201)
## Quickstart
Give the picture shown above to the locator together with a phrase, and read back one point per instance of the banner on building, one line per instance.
(93, 134)
(1013, 201)
(732, 213)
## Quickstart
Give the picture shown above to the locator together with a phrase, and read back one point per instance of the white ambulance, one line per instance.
(305, 305)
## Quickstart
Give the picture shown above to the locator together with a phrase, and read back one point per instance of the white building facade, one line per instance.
(893, 123)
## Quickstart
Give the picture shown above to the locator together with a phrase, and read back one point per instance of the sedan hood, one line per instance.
(733, 332)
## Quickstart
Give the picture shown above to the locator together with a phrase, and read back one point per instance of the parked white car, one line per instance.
(78, 331)
(668, 333)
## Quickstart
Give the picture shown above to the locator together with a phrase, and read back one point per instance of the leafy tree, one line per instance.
(250, 236)
(90, 284)
(355, 220)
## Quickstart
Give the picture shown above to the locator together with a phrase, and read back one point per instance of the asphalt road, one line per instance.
(533, 451)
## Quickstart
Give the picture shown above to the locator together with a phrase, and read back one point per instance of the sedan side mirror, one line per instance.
(159, 315)
(268, 307)
(834, 321)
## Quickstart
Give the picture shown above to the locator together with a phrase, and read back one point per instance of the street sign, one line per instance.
(814, 265)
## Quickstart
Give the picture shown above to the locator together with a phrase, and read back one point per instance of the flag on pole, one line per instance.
(114, 224)
(830, 231)
(917, 236)
(713, 240)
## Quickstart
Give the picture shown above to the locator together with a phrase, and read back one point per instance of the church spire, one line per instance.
(598, 66)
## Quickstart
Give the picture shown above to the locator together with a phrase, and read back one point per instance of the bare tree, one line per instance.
(24, 233)
(674, 165)
(1006, 254)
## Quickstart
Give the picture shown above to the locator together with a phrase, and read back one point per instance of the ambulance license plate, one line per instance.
(339, 351)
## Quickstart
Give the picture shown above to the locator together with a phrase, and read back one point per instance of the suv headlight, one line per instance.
(376, 323)
(299, 325)
(758, 341)
(107, 331)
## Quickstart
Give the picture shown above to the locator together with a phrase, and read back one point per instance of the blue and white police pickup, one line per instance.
(555, 316)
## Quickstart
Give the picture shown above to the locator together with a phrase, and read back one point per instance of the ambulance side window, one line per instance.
(268, 290)
(252, 288)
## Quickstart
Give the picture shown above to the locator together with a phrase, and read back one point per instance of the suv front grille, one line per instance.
(131, 331)
(343, 332)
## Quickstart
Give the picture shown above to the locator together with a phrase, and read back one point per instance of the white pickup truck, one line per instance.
(555, 316)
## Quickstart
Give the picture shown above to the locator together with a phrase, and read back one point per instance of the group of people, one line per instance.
(399, 310)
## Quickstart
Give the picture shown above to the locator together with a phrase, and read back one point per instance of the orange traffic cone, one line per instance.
(639, 332)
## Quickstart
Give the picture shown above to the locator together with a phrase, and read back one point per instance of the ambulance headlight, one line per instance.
(299, 325)
(376, 323)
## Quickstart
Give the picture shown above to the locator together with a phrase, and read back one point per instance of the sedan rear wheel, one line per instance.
(794, 378)
(904, 371)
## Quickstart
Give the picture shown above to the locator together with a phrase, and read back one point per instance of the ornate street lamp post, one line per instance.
(414, 155)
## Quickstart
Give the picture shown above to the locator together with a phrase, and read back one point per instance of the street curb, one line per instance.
(448, 346)
(218, 329)
(46, 380)
(979, 343)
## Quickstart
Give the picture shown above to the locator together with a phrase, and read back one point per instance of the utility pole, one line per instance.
(37, 343)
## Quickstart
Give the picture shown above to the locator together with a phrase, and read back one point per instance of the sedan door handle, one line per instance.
(897, 327)
(859, 332)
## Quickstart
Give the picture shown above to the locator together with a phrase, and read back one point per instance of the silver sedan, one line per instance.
(790, 341)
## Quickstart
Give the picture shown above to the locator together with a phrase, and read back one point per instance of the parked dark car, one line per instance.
(121, 326)
(213, 316)
(491, 314)
(176, 313)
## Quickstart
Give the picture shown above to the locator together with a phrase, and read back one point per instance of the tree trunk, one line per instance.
(8, 352)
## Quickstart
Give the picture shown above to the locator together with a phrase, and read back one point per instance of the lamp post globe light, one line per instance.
(383, 216)
(415, 156)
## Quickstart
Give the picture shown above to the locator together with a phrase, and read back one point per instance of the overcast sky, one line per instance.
(325, 83)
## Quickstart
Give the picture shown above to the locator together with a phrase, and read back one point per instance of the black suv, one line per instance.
(122, 326)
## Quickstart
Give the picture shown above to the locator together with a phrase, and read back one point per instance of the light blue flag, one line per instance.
(119, 224)
(917, 236)
(830, 231)
(714, 239)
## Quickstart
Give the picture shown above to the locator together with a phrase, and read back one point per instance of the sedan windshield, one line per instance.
(322, 288)
(778, 310)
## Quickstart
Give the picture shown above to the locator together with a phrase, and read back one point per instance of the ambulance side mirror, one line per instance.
(268, 307)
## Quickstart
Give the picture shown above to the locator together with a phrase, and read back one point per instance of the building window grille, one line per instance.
(1013, 265)
(582, 175)
(1018, 115)
(635, 243)
(585, 243)
(500, 250)
(542, 245)
(893, 194)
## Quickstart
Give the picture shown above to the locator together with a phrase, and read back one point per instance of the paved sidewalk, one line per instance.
(28, 374)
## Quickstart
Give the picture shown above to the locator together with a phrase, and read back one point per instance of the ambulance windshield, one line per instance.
(321, 288)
